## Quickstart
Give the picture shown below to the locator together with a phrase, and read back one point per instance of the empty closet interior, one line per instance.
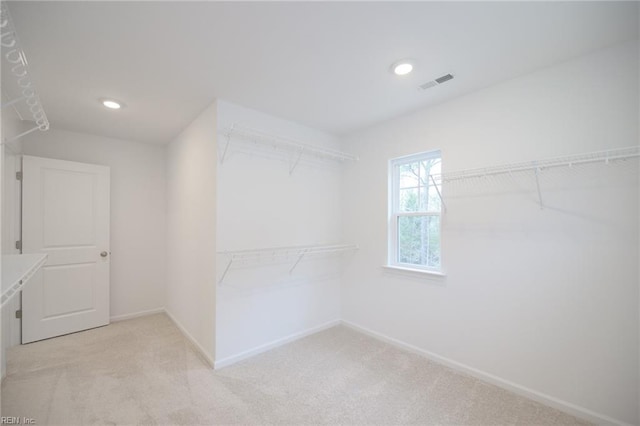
(273, 170)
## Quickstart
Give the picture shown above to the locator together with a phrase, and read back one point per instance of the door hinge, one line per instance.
(19, 175)
(18, 245)
(19, 313)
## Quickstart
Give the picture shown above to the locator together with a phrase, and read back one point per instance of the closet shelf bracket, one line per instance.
(607, 157)
(433, 181)
(302, 253)
(227, 136)
(297, 160)
(15, 101)
(26, 99)
(16, 137)
(295, 149)
(281, 255)
(224, 274)
(536, 167)
(537, 172)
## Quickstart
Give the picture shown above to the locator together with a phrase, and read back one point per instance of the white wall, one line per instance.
(191, 227)
(638, 143)
(261, 205)
(544, 299)
(138, 218)
(10, 186)
(10, 152)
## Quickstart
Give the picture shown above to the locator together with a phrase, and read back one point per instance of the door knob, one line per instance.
(104, 254)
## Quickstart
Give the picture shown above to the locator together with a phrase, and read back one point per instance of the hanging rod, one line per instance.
(608, 156)
(282, 252)
(295, 147)
(285, 249)
(19, 69)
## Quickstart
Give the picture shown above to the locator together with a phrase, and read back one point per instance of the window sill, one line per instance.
(413, 271)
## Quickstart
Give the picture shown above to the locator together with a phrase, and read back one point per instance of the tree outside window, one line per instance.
(415, 212)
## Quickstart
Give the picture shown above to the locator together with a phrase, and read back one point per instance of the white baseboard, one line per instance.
(191, 339)
(551, 401)
(543, 398)
(136, 315)
(225, 362)
(183, 330)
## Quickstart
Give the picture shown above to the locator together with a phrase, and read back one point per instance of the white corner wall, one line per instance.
(260, 205)
(542, 301)
(191, 224)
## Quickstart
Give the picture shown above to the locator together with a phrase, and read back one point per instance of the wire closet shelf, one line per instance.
(17, 269)
(16, 60)
(295, 148)
(296, 253)
(609, 156)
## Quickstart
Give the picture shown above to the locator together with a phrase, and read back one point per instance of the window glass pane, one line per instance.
(408, 200)
(431, 166)
(429, 199)
(409, 175)
(419, 240)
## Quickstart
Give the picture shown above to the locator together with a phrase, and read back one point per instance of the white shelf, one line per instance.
(608, 157)
(295, 148)
(26, 100)
(16, 271)
(293, 253)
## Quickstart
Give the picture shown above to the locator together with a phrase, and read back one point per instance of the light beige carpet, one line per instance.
(143, 371)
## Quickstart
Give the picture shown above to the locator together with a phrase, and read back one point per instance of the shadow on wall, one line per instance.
(230, 149)
(511, 204)
(268, 273)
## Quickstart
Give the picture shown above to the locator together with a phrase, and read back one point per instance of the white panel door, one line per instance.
(65, 213)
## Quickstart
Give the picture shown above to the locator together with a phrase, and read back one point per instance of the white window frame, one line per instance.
(394, 213)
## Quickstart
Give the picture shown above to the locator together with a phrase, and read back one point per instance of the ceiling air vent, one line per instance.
(436, 82)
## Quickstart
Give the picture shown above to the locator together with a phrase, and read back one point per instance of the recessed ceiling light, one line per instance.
(111, 104)
(403, 67)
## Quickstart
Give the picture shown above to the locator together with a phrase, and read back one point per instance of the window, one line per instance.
(415, 212)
